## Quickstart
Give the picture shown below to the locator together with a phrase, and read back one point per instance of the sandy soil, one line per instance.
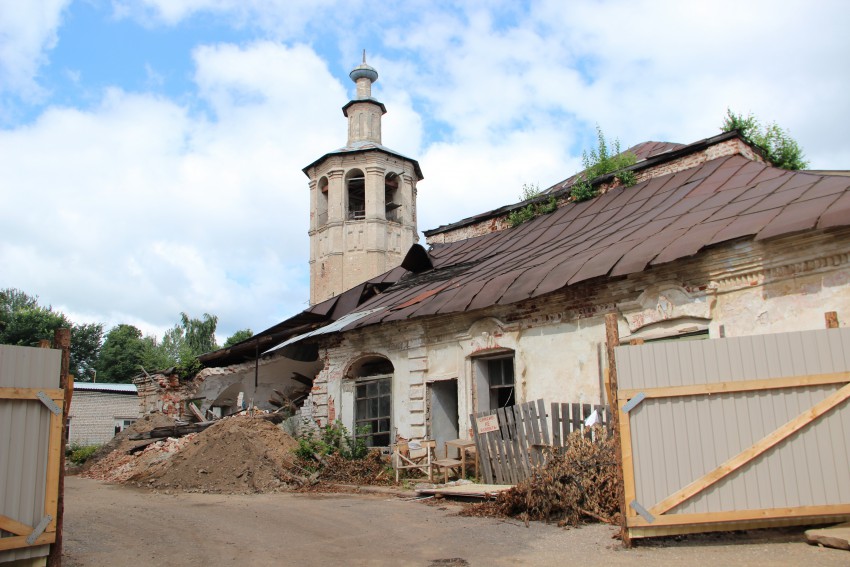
(123, 526)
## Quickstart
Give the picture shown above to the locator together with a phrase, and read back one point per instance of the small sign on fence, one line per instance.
(488, 423)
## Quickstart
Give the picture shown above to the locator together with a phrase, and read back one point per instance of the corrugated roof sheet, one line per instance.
(105, 387)
(621, 232)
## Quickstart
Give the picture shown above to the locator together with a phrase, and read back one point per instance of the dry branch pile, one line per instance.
(370, 470)
(574, 486)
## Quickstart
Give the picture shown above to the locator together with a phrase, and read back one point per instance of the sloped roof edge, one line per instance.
(651, 161)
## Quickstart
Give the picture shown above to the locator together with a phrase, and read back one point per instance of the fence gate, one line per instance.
(30, 449)
(735, 433)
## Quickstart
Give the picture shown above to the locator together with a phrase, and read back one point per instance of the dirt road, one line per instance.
(121, 526)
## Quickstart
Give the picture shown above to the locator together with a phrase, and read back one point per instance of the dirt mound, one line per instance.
(238, 454)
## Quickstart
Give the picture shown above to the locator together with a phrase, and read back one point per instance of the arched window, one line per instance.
(355, 193)
(392, 196)
(373, 376)
(322, 202)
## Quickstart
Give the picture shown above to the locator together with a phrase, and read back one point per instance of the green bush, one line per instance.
(79, 454)
(333, 439)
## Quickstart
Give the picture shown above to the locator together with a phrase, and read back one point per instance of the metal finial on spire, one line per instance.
(364, 71)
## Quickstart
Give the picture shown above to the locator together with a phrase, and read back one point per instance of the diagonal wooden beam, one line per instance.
(752, 452)
(14, 526)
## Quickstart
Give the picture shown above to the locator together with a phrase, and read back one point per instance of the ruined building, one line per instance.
(711, 241)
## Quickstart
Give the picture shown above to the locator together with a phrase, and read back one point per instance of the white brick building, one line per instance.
(99, 411)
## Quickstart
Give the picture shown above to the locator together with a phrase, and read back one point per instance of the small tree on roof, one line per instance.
(777, 144)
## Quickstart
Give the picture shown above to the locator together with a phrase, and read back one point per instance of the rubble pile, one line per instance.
(121, 441)
(239, 454)
(574, 486)
(121, 466)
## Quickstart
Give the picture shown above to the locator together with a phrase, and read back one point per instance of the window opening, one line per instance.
(495, 381)
(373, 410)
(122, 424)
(392, 197)
(500, 372)
(356, 197)
(322, 203)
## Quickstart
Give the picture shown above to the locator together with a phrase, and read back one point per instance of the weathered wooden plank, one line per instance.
(544, 425)
(576, 418)
(507, 447)
(556, 425)
(482, 450)
(523, 443)
(516, 447)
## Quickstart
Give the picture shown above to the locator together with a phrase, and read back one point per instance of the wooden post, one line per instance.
(831, 319)
(61, 340)
(612, 339)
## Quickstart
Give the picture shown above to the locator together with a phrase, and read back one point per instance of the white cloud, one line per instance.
(27, 32)
(143, 208)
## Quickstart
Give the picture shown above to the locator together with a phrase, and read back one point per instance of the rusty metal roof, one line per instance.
(621, 232)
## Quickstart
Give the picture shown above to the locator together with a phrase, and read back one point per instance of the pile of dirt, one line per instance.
(574, 486)
(239, 454)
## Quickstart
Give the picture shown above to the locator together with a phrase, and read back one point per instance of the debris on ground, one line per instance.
(334, 468)
(575, 485)
(837, 536)
(462, 489)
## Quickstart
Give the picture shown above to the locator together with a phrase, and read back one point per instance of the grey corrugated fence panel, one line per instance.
(23, 444)
(676, 440)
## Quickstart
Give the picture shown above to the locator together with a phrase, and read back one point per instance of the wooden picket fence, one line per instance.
(567, 418)
(512, 441)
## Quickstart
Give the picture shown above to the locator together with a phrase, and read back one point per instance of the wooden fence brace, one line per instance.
(612, 339)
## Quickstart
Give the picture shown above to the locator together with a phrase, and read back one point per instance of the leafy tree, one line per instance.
(238, 337)
(122, 354)
(24, 322)
(181, 345)
(86, 340)
(777, 144)
(199, 334)
(602, 161)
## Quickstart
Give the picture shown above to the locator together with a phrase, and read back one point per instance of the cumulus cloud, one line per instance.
(27, 33)
(150, 209)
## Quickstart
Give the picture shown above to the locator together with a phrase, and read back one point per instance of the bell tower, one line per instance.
(362, 200)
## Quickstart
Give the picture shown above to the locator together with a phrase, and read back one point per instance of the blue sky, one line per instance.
(151, 150)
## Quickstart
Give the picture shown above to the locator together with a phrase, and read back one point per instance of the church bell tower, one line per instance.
(362, 200)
